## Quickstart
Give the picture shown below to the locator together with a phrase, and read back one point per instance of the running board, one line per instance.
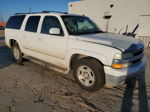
(47, 65)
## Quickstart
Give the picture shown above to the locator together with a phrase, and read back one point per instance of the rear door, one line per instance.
(30, 35)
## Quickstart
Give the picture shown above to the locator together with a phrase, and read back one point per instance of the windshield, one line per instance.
(80, 25)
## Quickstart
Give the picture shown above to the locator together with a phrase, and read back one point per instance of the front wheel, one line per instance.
(89, 74)
(17, 54)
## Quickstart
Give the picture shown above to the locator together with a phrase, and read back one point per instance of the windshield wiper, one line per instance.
(98, 32)
(93, 32)
(88, 32)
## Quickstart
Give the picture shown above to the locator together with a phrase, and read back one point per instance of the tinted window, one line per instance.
(50, 22)
(15, 22)
(32, 23)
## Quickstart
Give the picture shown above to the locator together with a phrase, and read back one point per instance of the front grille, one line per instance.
(136, 61)
(138, 52)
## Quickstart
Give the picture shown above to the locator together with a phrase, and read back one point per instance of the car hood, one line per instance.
(124, 43)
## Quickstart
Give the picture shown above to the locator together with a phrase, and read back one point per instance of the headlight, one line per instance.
(119, 60)
(117, 56)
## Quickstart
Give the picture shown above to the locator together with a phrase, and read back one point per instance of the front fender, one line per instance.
(96, 55)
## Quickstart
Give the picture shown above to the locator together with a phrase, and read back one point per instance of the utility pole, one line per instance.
(1, 17)
(29, 9)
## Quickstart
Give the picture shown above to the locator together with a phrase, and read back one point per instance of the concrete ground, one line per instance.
(32, 88)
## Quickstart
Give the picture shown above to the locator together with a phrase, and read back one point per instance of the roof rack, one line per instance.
(41, 12)
(21, 13)
(54, 11)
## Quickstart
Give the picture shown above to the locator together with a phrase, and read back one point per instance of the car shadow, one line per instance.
(6, 57)
(127, 101)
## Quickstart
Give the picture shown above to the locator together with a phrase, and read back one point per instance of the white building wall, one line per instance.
(144, 29)
(144, 22)
(124, 12)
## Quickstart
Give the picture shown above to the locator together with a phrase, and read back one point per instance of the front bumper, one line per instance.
(116, 77)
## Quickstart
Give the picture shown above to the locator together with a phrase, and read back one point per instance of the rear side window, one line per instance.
(15, 22)
(32, 23)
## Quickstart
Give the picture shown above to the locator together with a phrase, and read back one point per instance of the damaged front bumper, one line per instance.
(116, 77)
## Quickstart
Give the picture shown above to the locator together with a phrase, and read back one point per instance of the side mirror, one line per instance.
(54, 31)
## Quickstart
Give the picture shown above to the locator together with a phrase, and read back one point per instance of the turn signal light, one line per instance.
(117, 66)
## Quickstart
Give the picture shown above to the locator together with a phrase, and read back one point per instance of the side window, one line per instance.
(15, 22)
(50, 22)
(32, 23)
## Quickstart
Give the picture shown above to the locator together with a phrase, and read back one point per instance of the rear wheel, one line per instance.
(17, 54)
(89, 74)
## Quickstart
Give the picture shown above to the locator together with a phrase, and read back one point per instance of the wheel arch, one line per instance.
(78, 54)
(12, 42)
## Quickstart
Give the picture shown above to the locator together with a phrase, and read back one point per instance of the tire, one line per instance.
(89, 74)
(17, 54)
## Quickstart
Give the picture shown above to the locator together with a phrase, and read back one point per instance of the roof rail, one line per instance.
(54, 11)
(26, 13)
(19, 13)
(41, 12)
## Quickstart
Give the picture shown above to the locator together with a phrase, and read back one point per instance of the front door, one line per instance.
(52, 47)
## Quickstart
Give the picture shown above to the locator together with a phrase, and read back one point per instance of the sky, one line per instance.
(10, 7)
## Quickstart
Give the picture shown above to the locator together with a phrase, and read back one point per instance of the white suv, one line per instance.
(75, 43)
